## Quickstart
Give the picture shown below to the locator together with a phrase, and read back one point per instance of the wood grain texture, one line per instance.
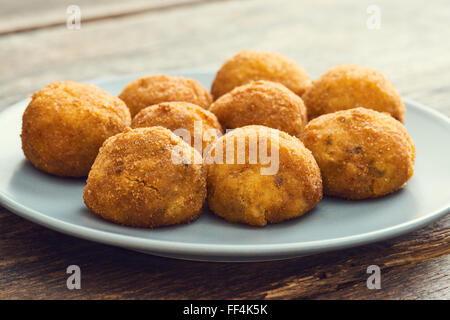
(34, 259)
(25, 16)
(410, 48)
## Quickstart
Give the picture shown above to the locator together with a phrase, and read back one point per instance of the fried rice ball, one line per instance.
(256, 190)
(261, 103)
(199, 123)
(350, 86)
(136, 182)
(250, 65)
(66, 123)
(361, 153)
(147, 91)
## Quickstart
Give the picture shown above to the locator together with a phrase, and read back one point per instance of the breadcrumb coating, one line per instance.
(261, 103)
(350, 86)
(135, 182)
(155, 89)
(251, 65)
(238, 192)
(361, 153)
(66, 123)
(181, 115)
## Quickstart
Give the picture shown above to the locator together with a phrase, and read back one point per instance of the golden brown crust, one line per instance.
(66, 123)
(179, 115)
(261, 103)
(361, 153)
(250, 65)
(134, 181)
(240, 193)
(350, 86)
(154, 89)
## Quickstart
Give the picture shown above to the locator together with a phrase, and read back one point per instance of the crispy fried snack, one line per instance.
(350, 86)
(144, 92)
(135, 182)
(241, 191)
(181, 115)
(249, 65)
(66, 123)
(261, 103)
(361, 153)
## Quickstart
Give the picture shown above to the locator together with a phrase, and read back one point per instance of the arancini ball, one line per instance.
(251, 65)
(154, 89)
(201, 125)
(136, 182)
(259, 175)
(261, 103)
(362, 153)
(349, 86)
(66, 123)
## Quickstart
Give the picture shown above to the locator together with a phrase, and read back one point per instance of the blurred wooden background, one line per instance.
(411, 47)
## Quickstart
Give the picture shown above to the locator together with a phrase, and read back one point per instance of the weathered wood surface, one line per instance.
(23, 16)
(411, 48)
(34, 260)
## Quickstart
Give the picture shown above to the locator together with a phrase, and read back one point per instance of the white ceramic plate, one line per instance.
(334, 224)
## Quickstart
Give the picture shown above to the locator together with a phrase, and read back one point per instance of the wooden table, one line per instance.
(411, 47)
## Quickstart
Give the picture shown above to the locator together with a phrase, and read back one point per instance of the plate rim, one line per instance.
(224, 250)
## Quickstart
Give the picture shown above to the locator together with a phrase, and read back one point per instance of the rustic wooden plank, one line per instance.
(19, 17)
(428, 280)
(409, 48)
(398, 256)
(33, 261)
(409, 51)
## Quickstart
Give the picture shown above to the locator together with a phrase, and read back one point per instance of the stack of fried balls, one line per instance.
(262, 147)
